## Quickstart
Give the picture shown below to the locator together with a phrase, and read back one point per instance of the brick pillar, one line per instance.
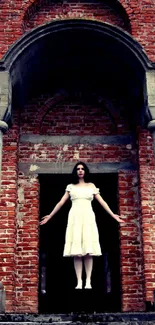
(130, 243)
(8, 201)
(147, 187)
(27, 257)
(8, 177)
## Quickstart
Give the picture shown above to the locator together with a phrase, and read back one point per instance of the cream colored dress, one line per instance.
(82, 236)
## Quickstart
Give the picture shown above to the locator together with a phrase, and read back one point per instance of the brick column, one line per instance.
(130, 243)
(8, 202)
(27, 257)
(8, 178)
(147, 188)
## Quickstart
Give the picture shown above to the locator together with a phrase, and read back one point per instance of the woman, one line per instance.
(82, 239)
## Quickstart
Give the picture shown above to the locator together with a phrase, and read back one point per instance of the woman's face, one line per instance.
(80, 171)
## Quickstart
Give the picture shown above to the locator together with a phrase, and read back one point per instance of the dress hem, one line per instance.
(80, 255)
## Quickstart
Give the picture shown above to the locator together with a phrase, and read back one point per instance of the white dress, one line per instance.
(82, 236)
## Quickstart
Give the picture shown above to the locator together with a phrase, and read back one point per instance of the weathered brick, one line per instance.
(19, 216)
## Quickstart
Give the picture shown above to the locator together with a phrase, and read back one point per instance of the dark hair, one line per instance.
(75, 178)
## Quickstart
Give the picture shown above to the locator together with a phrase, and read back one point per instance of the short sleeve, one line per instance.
(96, 190)
(68, 188)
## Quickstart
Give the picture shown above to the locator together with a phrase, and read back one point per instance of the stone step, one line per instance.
(147, 318)
(136, 322)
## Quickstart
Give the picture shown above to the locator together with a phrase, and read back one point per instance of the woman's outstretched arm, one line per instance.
(56, 209)
(98, 197)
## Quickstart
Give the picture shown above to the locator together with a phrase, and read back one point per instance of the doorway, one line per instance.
(57, 277)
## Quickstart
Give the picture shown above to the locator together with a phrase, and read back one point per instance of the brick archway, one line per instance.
(31, 45)
(126, 6)
(105, 11)
(27, 41)
(20, 61)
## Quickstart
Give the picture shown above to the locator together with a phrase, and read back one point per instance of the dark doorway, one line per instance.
(57, 276)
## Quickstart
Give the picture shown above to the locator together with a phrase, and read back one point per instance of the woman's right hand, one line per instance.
(45, 219)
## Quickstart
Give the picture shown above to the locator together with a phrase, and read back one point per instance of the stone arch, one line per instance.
(29, 39)
(30, 51)
(108, 11)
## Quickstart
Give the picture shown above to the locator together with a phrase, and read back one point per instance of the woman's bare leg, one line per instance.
(78, 271)
(88, 262)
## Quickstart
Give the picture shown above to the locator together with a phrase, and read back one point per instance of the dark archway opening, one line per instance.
(80, 56)
(57, 276)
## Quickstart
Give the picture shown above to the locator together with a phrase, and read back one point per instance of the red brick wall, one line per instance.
(25, 269)
(17, 14)
(72, 118)
(19, 215)
(8, 205)
(131, 242)
(86, 152)
(41, 12)
(147, 188)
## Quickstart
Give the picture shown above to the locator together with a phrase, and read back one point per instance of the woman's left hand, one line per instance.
(118, 218)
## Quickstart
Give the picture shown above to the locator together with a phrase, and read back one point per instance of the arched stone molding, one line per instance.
(14, 63)
(150, 83)
(5, 94)
(26, 41)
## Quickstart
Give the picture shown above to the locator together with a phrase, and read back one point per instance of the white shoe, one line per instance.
(88, 285)
(79, 285)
